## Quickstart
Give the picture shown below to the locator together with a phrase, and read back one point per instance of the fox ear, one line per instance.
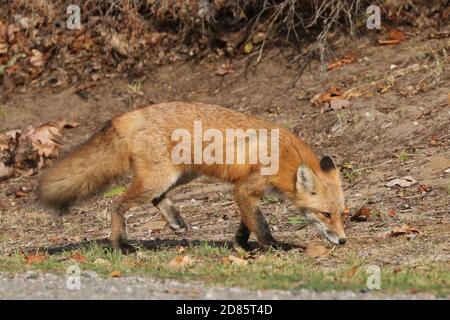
(305, 179)
(327, 164)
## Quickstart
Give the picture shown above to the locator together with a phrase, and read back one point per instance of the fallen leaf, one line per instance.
(363, 214)
(181, 261)
(237, 261)
(391, 213)
(332, 93)
(54, 239)
(347, 59)
(395, 37)
(404, 229)
(45, 139)
(423, 188)
(102, 262)
(351, 272)
(336, 104)
(20, 193)
(225, 69)
(315, 250)
(115, 274)
(403, 182)
(78, 257)
(225, 260)
(34, 258)
(248, 48)
(119, 44)
(37, 59)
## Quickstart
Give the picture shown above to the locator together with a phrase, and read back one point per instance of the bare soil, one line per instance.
(372, 134)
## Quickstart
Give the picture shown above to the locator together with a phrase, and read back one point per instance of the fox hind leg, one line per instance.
(144, 187)
(118, 235)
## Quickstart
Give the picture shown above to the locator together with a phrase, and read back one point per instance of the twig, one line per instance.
(305, 63)
(372, 167)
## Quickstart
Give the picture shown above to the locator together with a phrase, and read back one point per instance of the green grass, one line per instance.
(403, 156)
(265, 270)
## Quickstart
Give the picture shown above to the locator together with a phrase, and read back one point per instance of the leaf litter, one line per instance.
(23, 154)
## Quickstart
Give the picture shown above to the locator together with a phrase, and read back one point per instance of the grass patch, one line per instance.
(265, 270)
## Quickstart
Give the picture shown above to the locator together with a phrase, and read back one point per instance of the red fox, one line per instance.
(143, 140)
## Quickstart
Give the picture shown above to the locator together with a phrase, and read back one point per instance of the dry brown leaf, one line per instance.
(404, 229)
(44, 139)
(19, 194)
(347, 59)
(37, 59)
(336, 104)
(34, 258)
(181, 261)
(54, 239)
(395, 34)
(225, 260)
(403, 182)
(423, 188)
(237, 261)
(119, 44)
(78, 257)
(363, 214)
(392, 213)
(102, 262)
(333, 93)
(315, 250)
(395, 37)
(115, 274)
(351, 272)
(225, 69)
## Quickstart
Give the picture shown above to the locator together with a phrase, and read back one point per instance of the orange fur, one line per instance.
(141, 140)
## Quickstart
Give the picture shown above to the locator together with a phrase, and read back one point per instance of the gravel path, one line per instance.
(32, 285)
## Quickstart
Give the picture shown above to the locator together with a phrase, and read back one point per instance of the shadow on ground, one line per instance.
(156, 244)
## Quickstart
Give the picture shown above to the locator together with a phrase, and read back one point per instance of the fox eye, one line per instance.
(326, 215)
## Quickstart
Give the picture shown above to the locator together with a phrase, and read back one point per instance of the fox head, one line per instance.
(319, 195)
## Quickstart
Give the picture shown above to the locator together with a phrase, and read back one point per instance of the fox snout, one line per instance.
(331, 228)
(335, 238)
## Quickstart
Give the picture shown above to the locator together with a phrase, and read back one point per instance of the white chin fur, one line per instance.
(332, 238)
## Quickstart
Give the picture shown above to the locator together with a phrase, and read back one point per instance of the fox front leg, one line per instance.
(242, 235)
(247, 195)
(170, 214)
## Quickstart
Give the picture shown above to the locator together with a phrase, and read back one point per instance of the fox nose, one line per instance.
(342, 240)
